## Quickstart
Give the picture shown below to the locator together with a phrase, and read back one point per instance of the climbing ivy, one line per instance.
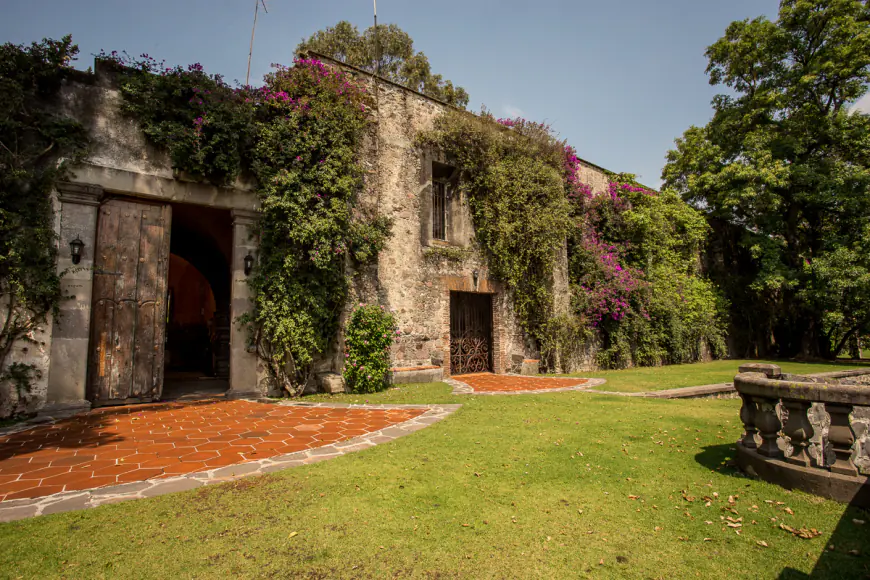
(34, 136)
(633, 252)
(299, 136)
(205, 125)
(512, 173)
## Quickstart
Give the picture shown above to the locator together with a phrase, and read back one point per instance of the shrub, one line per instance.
(370, 334)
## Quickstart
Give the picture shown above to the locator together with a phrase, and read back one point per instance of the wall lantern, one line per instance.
(75, 250)
(249, 264)
(475, 275)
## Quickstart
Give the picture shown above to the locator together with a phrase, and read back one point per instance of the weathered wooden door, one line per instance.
(131, 263)
(470, 333)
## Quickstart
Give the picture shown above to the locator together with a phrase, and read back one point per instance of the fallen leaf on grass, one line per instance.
(762, 543)
(806, 534)
(858, 522)
(634, 497)
(789, 511)
(292, 534)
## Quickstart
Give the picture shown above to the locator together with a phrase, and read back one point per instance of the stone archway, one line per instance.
(198, 325)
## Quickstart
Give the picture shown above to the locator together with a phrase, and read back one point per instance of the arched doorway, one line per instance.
(189, 320)
(198, 306)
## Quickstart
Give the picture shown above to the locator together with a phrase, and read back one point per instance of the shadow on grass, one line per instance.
(720, 458)
(83, 431)
(846, 554)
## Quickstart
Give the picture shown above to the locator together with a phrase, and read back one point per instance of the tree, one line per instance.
(398, 61)
(784, 168)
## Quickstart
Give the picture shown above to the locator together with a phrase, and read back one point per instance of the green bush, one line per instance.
(370, 334)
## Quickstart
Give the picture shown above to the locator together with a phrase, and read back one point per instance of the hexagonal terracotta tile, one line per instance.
(123, 444)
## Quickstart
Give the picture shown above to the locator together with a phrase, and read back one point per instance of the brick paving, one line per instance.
(491, 383)
(118, 445)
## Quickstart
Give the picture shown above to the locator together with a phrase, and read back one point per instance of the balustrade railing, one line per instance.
(782, 414)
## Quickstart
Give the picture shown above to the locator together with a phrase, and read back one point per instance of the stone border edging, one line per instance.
(17, 509)
(460, 388)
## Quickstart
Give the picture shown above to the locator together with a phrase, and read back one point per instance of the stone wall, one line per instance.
(413, 278)
(120, 162)
(415, 273)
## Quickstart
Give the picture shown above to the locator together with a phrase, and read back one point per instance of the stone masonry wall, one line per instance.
(415, 276)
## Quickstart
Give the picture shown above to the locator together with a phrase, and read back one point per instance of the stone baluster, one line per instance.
(747, 415)
(799, 429)
(841, 438)
(768, 425)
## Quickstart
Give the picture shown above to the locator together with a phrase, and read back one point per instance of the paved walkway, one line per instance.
(492, 384)
(117, 445)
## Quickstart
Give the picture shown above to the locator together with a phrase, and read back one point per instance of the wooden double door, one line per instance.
(470, 333)
(128, 319)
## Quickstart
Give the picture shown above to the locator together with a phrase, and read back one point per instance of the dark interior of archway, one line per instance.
(198, 313)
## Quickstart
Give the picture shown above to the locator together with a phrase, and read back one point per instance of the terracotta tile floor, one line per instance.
(490, 383)
(124, 444)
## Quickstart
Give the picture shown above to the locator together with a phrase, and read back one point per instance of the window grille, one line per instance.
(439, 210)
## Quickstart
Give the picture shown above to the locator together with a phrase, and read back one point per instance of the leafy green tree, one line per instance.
(781, 173)
(395, 49)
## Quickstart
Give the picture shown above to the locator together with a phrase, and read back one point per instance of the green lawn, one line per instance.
(563, 485)
(644, 379)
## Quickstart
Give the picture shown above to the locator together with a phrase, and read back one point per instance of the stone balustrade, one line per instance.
(807, 432)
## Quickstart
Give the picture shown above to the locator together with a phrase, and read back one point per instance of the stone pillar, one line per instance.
(67, 376)
(243, 364)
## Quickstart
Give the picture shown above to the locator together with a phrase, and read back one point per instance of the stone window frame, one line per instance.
(436, 168)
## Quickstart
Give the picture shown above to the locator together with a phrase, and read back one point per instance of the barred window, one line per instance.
(440, 213)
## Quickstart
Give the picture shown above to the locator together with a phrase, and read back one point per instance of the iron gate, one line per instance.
(470, 333)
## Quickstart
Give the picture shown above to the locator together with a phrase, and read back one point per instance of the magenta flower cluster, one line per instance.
(576, 188)
(610, 288)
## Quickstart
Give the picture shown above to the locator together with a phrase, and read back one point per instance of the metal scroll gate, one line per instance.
(470, 333)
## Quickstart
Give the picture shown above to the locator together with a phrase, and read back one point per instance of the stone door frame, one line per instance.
(483, 285)
(477, 327)
(77, 205)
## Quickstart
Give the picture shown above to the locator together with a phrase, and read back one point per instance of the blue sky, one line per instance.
(620, 79)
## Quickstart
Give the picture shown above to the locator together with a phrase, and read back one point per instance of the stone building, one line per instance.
(164, 261)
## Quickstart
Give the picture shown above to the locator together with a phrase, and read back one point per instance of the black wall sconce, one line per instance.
(475, 274)
(75, 250)
(249, 264)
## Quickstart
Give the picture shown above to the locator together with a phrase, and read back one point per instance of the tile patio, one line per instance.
(488, 383)
(118, 445)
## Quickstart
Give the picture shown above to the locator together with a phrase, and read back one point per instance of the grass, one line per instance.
(643, 379)
(562, 485)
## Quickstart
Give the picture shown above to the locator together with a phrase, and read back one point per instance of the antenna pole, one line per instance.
(377, 45)
(253, 30)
